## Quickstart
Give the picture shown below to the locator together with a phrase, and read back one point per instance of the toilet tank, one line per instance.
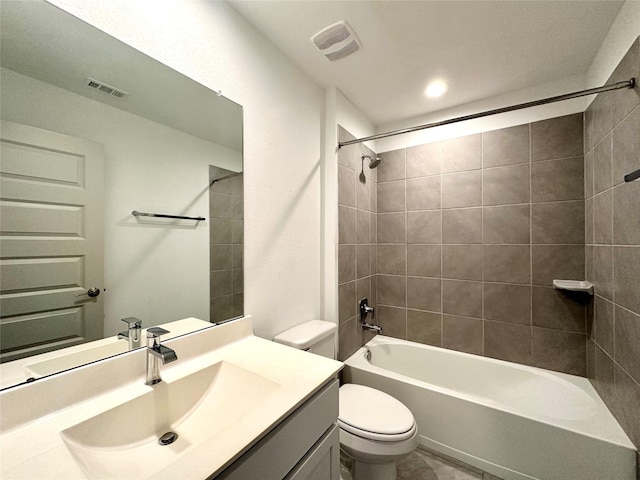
(315, 336)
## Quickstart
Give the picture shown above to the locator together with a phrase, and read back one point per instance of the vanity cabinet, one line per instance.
(305, 446)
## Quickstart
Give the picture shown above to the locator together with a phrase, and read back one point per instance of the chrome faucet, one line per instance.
(365, 310)
(371, 327)
(133, 332)
(157, 353)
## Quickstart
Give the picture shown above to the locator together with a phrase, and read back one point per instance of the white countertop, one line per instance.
(33, 415)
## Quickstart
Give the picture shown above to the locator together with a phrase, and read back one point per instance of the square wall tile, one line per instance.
(564, 262)
(603, 271)
(424, 327)
(507, 146)
(626, 277)
(507, 303)
(604, 324)
(506, 224)
(391, 228)
(626, 145)
(507, 263)
(625, 100)
(424, 226)
(424, 260)
(506, 185)
(602, 117)
(346, 225)
(363, 186)
(462, 189)
(463, 153)
(558, 137)
(391, 196)
(627, 349)
(557, 222)
(588, 174)
(462, 298)
(462, 334)
(626, 227)
(602, 218)
(602, 166)
(561, 179)
(423, 193)
(392, 166)
(346, 263)
(560, 351)
(424, 293)
(346, 187)
(393, 321)
(347, 303)
(507, 341)
(423, 160)
(392, 259)
(463, 225)
(462, 262)
(363, 261)
(363, 226)
(559, 309)
(392, 290)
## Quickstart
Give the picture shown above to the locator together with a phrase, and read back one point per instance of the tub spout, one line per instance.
(372, 327)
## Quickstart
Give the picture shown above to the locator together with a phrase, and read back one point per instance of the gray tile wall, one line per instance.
(470, 234)
(226, 297)
(357, 204)
(612, 210)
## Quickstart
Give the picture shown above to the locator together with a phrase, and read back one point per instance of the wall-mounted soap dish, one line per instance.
(574, 286)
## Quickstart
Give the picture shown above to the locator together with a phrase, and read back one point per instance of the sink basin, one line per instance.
(123, 441)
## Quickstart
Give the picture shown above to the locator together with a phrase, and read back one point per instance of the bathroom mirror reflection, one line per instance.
(93, 130)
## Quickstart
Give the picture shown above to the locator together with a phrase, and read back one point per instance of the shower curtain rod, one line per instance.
(591, 91)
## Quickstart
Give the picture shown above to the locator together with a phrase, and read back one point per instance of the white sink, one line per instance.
(123, 441)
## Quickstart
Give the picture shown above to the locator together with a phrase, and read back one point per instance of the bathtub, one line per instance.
(510, 420)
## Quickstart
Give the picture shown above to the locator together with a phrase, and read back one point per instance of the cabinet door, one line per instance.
(323, 460)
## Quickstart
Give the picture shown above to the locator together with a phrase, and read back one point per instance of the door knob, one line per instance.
(92, 292)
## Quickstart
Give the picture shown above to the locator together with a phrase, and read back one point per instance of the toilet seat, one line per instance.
(373, 415)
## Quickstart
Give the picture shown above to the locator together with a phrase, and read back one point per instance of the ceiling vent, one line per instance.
(336, 41)
(104, 88)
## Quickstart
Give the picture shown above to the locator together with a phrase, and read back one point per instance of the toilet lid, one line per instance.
(373, 414)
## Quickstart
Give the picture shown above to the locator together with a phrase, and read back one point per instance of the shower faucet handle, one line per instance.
(365, 309)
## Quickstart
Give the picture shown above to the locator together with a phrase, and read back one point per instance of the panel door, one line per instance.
(51, 240)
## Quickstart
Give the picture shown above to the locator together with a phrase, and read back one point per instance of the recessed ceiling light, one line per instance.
(436, 89)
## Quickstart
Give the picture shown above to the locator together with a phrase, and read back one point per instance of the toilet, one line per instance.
(376, 430)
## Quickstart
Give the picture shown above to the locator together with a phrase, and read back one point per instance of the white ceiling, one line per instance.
(482, 48)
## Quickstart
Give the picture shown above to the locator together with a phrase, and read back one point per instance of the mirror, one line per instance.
(93, 130)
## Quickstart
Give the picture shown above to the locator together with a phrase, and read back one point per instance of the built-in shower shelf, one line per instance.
(574, 286)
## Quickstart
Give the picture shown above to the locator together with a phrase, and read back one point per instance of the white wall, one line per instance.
(624, 30)
(283, 120)
(148, 167)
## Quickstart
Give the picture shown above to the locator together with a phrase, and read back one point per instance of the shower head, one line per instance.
(373, 163)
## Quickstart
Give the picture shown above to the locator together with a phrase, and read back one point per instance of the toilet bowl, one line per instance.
(376, 430)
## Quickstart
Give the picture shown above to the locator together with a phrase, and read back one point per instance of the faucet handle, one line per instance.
(155, 332)
(133, 322)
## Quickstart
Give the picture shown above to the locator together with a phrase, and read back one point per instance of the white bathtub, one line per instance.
(510, 420)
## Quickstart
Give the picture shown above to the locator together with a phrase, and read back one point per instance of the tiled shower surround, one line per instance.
(456, 244)
(225, 241)
(470, 234)
(612, 146)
